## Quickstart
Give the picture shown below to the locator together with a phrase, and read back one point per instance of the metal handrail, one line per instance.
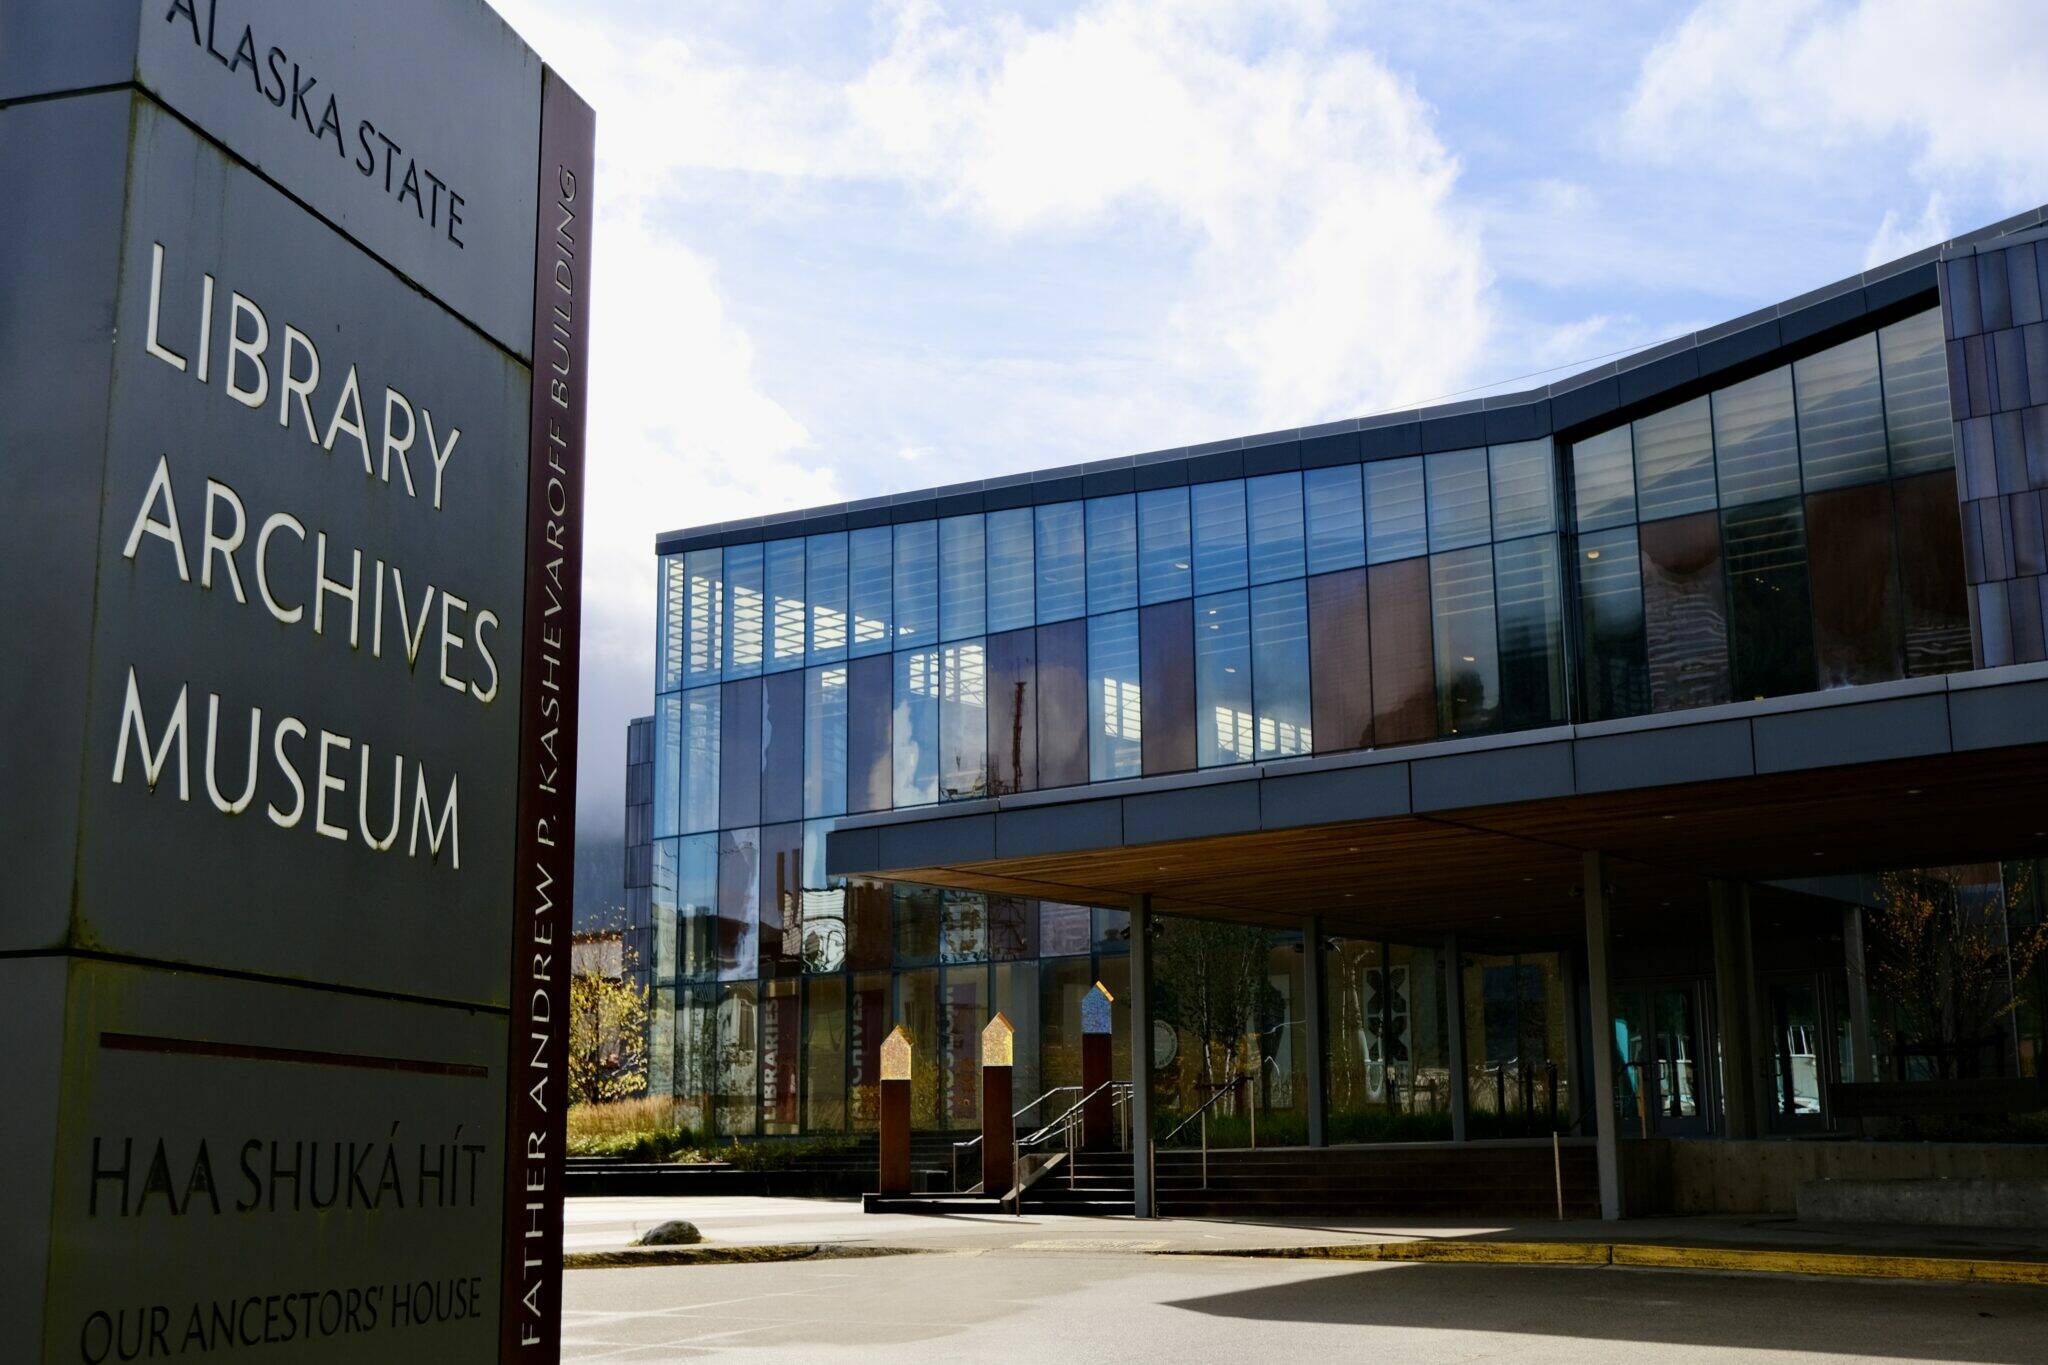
(1221, 1088)
(1063, 1120)
(975, 1141)
(1069, 1125)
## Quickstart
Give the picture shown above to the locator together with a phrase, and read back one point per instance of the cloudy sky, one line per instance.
(848, 249)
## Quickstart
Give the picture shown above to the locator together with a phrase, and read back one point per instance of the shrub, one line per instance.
(647, 1129)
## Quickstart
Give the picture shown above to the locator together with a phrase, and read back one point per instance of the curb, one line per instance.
(1640, 1256)
(724, 1255)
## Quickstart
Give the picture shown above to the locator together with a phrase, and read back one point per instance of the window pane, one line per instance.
(1403, 659)
(963, 931)
(785, 571)
(781, 1024)
(917, 583)
(870, 938)
(825, 741)
(1013, 934)
(1166, 645)
(1675, 461)
(917, 929)
(1916, 394)
(668, 761)
(1467, 648)
(1013, 712)
(1603, 480)
(745, 616)
(963, 578)
(1770, 619)
(1280, 669)
(965, 1011)
(1855, 586)
(1273, 515)
(963, 721)
(696, 878)
(782, 747)
(1754, 443)
(1614, 675)
(1164, 545)
(1062, 581)
(1063, 704)
(825, 586)
(1016, 995)
(739, 753)
(870, 752)
(917, 1010)
(916, 727)
(1936, 611)
(867, 1024)
(1012, 581)
(1685, 607)
(704, 638)
(737, 1059)
(739, 903)
(1112, 553)
(1458, 500)
(825, 1054)
(1334, 499)
(1223, 680)
(869, 556)
(1841, 415)
(1528, 583)
(1524, 489)
(670, 629)
(1217, 511)
(782, 870)
(1340, 661)
(1115, 726)
(823, 928)
(1395, 524)
(697, 800)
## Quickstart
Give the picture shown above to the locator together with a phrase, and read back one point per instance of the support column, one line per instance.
(1312, 1010)
(1600, 996)
(1141, 1058)
(1862, 1064)
(1454, 1040)
(1735, 1003)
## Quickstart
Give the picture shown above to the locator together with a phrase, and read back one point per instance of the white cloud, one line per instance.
(1895, 237)
(1961, 88)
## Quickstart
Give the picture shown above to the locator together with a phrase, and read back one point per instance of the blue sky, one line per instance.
(853, 249)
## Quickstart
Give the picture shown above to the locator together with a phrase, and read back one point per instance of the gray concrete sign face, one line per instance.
(266, 433)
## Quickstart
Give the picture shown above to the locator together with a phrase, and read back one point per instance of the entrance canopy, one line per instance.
(1487, 837)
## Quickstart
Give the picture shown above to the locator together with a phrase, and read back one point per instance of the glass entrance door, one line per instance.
(1659, 1085)
(1797, 1053)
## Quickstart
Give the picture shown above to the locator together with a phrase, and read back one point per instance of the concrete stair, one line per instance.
(1494, 1180)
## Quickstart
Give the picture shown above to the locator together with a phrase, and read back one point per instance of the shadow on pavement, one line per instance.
(1892, 1320)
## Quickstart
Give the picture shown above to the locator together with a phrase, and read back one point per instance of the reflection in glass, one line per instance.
(1458, 499)
(781, 1021)
(1675, 461)
(697, 799)
(1396, 524)
(1334, 505)
(963, 932)
(737, 1057)
(1403, 658)
(869, 557)
(739, 753)
(825, 1054)
(739, 903)
(1841, 415)
(1937, 614)
(825, 588)
(822, 926)
(1012, 712)
(1274, 522)
(1467, 650)
(917, 1009)
(1528, 583)
(1061, 548)
(1524, 488)
(1613, 668)
(1340, 661)
(1165, 545)
(1012, 572)
(917, 919)
(963, 721)
(1915, 367)
(915, 727)
(1856, 624)
(1217, 511)
(1756, 447)
(1012, 931)
(704, 620)
(745, 615)
(1063, 704)
(1016, 995)
(782, 747)
(696, 882)
(1166, 718)
(668, 759)
(779, 945)
(868, 1021)
(1603, 480)
(668, 638)
(1112, 553)
(963, 578)
(1685, 606)
(1223, 680)
(917, 583)
(1770, 621)
(1115, 700)
(785, 605)
(1280, 685)
(870, 701)
(825, 740)
(960, 1023)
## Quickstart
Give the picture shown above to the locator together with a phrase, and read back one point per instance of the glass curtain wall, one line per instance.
(1388, 1053)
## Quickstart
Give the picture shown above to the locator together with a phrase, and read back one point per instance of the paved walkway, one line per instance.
(600, 1224)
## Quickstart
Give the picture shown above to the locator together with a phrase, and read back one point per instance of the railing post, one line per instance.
(1252, 1108)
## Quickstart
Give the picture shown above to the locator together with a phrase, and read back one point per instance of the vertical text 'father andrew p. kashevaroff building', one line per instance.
(1556, 756)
